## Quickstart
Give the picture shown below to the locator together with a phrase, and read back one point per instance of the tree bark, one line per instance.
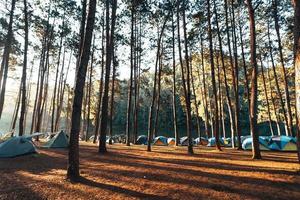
(73, 164)
(213, 80)
(253, 102)
(109, 53)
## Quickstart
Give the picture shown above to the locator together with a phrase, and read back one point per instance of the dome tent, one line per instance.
(203, 141)
(160, 141)
(60, 140)
(16, 146)
(142, 139)
(282, 143)
(247, 144)
(212, 142)
(171, 141)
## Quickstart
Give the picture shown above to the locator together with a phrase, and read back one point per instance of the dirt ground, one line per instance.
(165, 173)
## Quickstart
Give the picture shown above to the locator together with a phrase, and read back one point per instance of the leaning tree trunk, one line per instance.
(73, 164)
(253, 103)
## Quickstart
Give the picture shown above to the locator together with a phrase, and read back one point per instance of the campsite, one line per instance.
(149, 99)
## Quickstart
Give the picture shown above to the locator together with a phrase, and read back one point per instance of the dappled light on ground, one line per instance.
(165, 173)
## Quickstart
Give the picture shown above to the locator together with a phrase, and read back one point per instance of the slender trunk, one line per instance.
(236, 76)
(73, 164)
(151, 109)
(98, 114)
(204, 90)
(195, 103)
(109, 53)
(233, 133)
(132, 50)
(111, 112)
(253, 103)
(297, 67)
(158, 95)
(228, 99)
(90, 93)
(277, 81)
(5, 57)
(23, 79)
(213, 80)
(16, 111)
(174, 84)
(285, 78)
(266, 96)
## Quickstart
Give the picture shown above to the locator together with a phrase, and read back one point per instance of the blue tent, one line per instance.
(160, 141)
(282, 143)
(16, 146)
(212, 142)
(142, 139)
(184, 141)
(60, 140)
(203, 141)
(247, 144)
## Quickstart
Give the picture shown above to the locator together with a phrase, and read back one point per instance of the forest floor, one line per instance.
(165, 173)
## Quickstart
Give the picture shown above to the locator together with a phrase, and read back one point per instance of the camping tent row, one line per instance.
(164, 141)
(275, 143)
(22, 145)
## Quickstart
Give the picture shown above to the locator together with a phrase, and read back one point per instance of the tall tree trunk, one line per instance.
(273, 104)
(266, 96)
(277, 81)
(109, 53)
(204, 96)
(297, 67)
(16, 111)
(132, 66)
(158, 95)
(174, 83)
(195, 102)
(285, 81)
(213, 80)
(23, 79)
(5, 57)
(233, 133)
(90, 93)
(236, 76)
(111, 112)
(253, 103)
(73, 164)
(151, 109)
(56, 80)
(98, 112)
(228, 99)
